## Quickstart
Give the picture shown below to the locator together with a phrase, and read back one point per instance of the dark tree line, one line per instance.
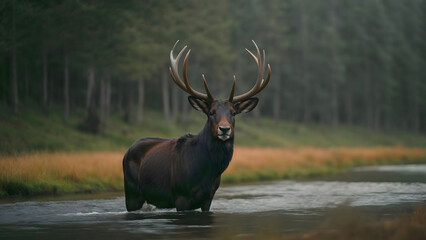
(334, 61)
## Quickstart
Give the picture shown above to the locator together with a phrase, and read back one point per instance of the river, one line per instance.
(280, 207)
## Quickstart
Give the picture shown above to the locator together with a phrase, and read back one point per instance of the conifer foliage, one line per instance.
(333, 62)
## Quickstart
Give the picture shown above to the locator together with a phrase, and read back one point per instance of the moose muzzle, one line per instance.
(224, 132)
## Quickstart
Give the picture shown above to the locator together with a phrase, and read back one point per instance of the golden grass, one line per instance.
(61, 166)
(283, 159)
(106, 167)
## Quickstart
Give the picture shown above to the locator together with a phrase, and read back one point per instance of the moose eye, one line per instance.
(212, 113)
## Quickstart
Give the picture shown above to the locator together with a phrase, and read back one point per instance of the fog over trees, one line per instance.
(333, 62)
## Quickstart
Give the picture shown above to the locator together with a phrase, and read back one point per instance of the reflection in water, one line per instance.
(191, 218)
(171, 223)
(401, 169)
(280, 206)
(413, 173)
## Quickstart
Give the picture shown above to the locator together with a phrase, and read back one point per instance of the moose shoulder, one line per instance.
(184, 173)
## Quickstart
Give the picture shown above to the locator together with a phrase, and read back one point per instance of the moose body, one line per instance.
(184, 173)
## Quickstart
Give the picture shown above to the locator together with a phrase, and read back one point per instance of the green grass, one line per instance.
(33, 131)
(267, 132)
(13, 188)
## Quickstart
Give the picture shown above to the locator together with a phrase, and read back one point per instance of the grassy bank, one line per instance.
(43, 154)
(61, 173)
(32, 131)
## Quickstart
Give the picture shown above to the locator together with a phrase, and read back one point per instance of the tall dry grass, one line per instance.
(95, 169)
(62, 166)
(283, 159)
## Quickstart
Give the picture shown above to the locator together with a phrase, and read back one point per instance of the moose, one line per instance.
(184, 173)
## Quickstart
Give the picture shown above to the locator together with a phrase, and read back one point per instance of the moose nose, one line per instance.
(224, 128)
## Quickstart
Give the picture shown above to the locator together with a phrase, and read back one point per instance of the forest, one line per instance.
(336, 146)
(334, 62)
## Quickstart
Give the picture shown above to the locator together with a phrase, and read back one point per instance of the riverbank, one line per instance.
(93, 172)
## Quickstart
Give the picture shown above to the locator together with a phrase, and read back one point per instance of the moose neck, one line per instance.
(219, 152)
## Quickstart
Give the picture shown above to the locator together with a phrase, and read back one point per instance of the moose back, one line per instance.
(184, 173)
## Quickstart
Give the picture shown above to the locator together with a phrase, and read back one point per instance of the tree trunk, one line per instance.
(277, 99)
(104, 101)
(306, 105)
(377, 109)
(27, 83)
(141, 96)
(256, 111)
(304, 38)
(6, 90)
(14, 78)
(415, 116)
(334, 103)
(45, 81)
(335, 66)
(349, 108)
(165, 95)
(369, 120)
(368, 103)
(102, 104)
(185, 109)
(92, 122)
(66, 88)
(90, 84)
(14, 82)
(126, 105)
(175, 103)
(108, 97)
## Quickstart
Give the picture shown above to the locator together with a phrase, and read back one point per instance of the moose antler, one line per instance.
(184, 85)
(260, 82)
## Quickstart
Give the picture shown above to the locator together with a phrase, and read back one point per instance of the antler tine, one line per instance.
(184, 85)
(209, 95)
(265, 82)
(185, 73)
(188, 86)
(231, 95)
(173, 69)
(260, 83)
(263, 65)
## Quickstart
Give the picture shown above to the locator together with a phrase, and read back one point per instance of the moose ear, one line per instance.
(199, 104)
(246, 105)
